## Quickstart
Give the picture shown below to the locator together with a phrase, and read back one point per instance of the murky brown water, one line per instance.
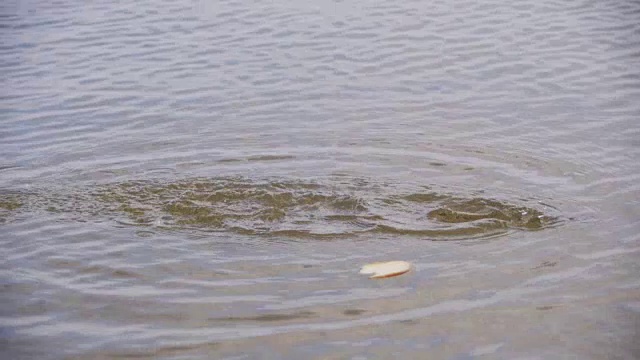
(185, 179)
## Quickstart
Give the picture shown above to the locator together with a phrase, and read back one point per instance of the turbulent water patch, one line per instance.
(9, 203)
(287, 208)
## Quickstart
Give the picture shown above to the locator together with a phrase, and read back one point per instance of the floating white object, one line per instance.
(386, 269)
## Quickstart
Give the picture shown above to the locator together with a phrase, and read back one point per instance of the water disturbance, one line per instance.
(286, 208)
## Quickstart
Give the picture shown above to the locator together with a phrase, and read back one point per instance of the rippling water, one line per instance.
(192, 179)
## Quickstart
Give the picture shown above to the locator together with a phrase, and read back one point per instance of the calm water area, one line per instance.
(204, 179)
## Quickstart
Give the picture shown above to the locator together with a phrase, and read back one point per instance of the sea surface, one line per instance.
(204, 179)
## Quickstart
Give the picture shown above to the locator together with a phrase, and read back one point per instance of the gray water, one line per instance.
(191, 179)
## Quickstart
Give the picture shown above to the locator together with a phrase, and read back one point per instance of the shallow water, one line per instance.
(181, 179)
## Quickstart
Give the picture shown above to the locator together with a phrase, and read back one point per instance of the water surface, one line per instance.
(180, 179)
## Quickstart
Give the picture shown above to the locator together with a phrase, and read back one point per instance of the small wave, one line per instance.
(297, 209)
